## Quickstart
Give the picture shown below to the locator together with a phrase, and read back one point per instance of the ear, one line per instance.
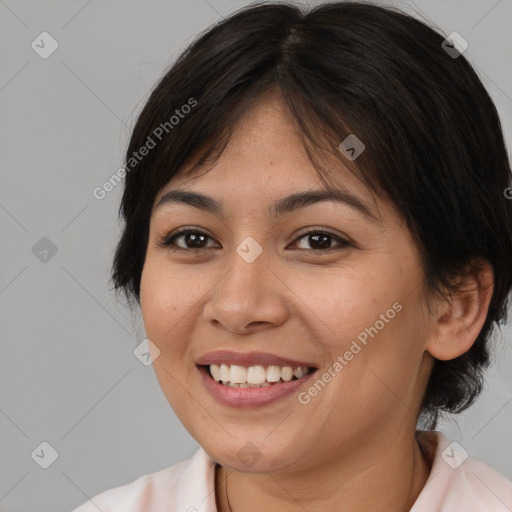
(459, 320)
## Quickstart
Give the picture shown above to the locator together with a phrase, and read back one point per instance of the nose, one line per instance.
(248, 298)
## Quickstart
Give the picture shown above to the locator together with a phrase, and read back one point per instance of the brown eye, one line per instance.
(190, 239)
(321, 240)
(193, 239)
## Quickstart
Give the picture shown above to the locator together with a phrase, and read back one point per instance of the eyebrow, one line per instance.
(281, 207)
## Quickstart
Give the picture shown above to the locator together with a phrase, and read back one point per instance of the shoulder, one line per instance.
(458, 481)
(185, 486)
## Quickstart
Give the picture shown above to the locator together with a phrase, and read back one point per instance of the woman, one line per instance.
(317, 234)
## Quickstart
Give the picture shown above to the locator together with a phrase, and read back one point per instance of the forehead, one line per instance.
(222, 193)
(265, 153)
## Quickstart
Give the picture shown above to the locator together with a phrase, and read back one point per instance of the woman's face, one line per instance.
(257, 282)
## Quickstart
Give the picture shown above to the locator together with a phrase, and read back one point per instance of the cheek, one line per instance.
(165, 300)
(368, 319)
(164, 305)
(343, 304)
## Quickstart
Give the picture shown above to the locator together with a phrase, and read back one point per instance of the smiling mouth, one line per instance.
(259, 376)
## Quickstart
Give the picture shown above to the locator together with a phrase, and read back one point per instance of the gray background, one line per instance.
(68, 373)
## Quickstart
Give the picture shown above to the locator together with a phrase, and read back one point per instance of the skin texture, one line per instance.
(352, 447)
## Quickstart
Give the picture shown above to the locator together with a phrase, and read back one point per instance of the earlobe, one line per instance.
(460, 319)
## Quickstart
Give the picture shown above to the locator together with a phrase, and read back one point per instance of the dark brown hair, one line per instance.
(434, 143)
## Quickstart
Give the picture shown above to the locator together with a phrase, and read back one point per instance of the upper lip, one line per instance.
(249, 359)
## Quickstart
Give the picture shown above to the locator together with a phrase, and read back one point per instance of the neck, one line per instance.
(382, 476)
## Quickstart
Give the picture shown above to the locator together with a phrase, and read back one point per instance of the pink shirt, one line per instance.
(456, 484)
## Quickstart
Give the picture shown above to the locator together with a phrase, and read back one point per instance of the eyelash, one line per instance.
(168, 240)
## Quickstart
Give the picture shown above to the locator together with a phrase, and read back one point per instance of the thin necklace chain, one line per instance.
(226, 491)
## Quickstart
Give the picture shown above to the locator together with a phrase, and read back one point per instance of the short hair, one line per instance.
(434, 146)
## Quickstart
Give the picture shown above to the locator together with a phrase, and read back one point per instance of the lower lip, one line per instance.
(250, 397)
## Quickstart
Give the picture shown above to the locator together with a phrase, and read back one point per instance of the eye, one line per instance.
(191, 239)
(320, 240)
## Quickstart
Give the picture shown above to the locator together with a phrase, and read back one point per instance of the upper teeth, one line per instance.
(255, 374)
